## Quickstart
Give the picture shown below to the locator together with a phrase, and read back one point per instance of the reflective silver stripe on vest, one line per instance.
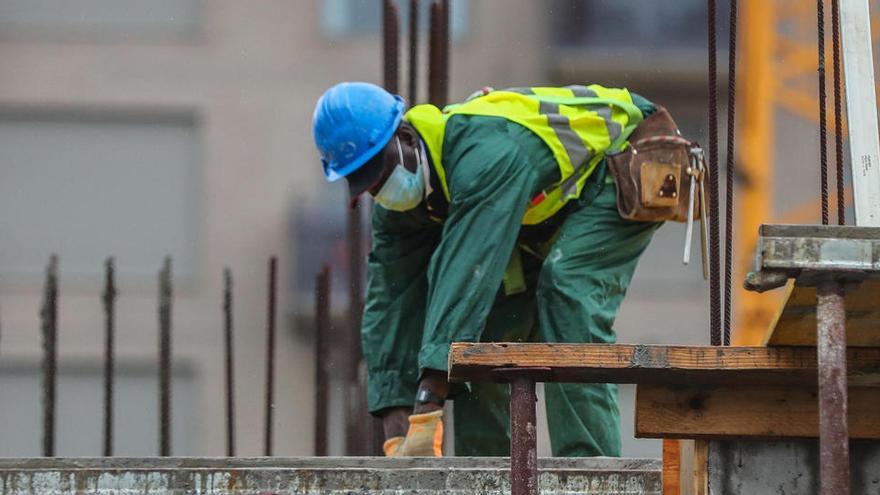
(581, 91)
(577, 151)
(614, 128)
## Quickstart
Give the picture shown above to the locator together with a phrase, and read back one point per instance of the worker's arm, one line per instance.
(491, 180)
(394, 309)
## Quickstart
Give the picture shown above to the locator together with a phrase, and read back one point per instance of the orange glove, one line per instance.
(425, 436)
(392, 446)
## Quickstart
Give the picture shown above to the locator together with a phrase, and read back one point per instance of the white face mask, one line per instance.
(403, 190)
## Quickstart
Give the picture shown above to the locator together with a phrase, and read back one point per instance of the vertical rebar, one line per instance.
(109, 301)
(322, 329)
(165, 296)
(523, 437)
(714, 234)
(413, 51)
(438, 57)
(823, 117)
(391, 46)
(833, 422)
(270, 355)
(228, 351)
(49, 326)
(838, 110)
(731, 167)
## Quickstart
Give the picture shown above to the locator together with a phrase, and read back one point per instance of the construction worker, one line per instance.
(495, 220)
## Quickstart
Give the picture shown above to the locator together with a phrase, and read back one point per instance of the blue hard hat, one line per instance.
(353, 121)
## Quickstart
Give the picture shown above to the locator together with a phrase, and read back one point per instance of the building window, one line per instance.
(364, 17)
(86, 186)
(634, 23)
(99, 17)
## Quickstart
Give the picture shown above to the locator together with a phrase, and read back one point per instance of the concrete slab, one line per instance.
(327, 475)
(791, 468)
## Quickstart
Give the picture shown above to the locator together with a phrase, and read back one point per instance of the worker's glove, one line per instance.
(392, 446)
(425, 436)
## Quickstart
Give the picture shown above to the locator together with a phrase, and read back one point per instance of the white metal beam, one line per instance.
(861, 107)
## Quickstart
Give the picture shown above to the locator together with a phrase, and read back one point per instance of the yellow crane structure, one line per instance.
(779, 60)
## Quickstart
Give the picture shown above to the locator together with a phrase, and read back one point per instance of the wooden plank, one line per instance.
(627, 363)
(743, 411)
(701, 467)
(795, 324)
(671, 467)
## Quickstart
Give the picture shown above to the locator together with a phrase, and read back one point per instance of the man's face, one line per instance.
(403, 149)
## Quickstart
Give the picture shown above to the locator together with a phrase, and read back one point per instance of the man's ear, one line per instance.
(408, 135)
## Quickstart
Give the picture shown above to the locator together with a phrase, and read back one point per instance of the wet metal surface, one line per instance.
(740, 467)
(417, 476)
(833, 424)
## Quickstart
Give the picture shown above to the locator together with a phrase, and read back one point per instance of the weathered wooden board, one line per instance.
(795, 323)
(746, 411)
(626, 363)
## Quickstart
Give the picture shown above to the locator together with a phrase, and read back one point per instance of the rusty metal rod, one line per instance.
(833, 422)
(390, 46)
(228, 352)
(270, 354)
(49, 327)
(523, 437)
(413, 51)
(322, 329)
(109, 301)
(165, 298)
(438, 54)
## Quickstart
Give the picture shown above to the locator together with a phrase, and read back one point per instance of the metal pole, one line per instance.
(49, 324)
(165, 294)
(109, 300)
(228, 346)
(413, 51)
(523, 437)
(322, 329)
(270, 355)
(833, 424)
(861, 109)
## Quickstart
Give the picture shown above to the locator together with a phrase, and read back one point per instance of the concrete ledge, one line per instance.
(327, 475)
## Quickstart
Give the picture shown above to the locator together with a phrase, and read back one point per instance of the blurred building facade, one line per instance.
(182, 127)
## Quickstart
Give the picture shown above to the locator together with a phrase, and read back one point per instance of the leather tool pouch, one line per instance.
(655, 174)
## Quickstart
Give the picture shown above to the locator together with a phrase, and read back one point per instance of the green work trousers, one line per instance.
(573, 292)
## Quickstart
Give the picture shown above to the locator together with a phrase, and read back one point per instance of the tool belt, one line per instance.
(657, 174)
(660, 176)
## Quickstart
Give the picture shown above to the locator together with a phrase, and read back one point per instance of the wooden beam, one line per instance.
(666, 365)
(743, 411)
(671, 467)
(795, 323)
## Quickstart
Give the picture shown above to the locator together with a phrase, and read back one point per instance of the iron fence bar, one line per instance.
(271, 315)
(228, 351)
(49, 327)
(109, 303)
(833, 423)
(165, 302)
(322, 329)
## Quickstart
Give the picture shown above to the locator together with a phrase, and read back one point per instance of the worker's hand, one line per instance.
(425, 436)
(391, 447)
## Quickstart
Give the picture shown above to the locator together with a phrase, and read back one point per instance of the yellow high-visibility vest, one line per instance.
(578, 123)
